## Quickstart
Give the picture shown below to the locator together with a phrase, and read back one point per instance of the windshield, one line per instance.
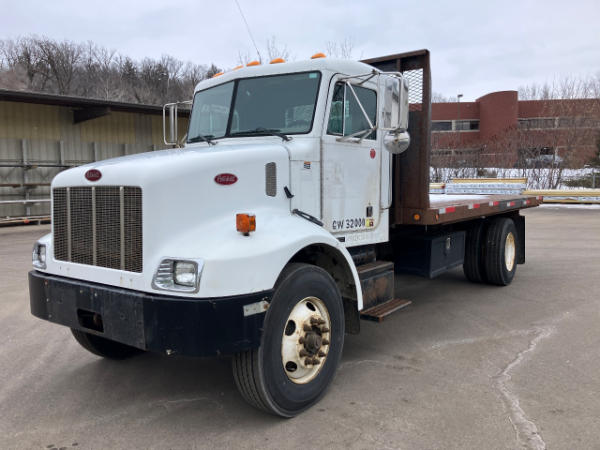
(253, 106)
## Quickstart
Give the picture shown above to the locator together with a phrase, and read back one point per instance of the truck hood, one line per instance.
(179, 191)
(174, 165)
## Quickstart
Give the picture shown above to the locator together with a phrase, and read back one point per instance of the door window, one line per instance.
(346, 117)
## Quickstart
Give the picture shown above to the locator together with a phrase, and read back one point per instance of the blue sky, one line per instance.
(477, 46)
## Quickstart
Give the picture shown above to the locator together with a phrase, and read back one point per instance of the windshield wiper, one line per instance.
(262, 130)
(209, 138)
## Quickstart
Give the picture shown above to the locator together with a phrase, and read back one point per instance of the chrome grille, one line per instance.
(80, 207)
(99, 226)
(59, 222)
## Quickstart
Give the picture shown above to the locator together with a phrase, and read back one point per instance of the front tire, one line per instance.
(500, 258)
(301, 344)
(104, 347)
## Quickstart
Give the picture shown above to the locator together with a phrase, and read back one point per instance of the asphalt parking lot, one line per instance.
(465, 366)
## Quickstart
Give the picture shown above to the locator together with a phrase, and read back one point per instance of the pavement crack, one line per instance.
(167, 404)
(527, 432)
(384, 364)
(475, 340)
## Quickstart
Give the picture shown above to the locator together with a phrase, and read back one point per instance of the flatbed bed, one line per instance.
(449, 208)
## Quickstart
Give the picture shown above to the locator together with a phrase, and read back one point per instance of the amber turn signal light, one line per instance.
(245, 223)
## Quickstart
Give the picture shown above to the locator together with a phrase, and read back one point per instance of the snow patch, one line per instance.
(569, 206)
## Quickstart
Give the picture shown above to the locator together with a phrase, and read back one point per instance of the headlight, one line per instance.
(178, 275)
(39, 256)
(185, 273)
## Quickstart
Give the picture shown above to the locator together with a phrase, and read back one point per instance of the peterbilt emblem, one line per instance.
(225, 178)
(93, 175)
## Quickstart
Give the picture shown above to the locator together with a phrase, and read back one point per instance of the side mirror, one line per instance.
(395, 115)
(396, 143)
(391, 103)
(170, 110)
(170, 116)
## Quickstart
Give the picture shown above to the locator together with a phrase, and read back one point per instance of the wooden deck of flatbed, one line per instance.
(451, 208)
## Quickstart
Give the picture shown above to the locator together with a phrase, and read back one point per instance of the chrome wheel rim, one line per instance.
(305, 341)
(510, 251)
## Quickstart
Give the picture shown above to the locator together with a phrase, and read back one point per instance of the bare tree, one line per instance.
(275, 50)
(244, 57)
(13, 78)
(437, 97)
(42, 64)
(212, 71)
(192, 74)
(342, 49)
(62, 59)
(108, 79)
(24, 53)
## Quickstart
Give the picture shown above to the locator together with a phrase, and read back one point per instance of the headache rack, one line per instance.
(98, 226)
(411, 203)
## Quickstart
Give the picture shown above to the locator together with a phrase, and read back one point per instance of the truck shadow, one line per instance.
(153, 388)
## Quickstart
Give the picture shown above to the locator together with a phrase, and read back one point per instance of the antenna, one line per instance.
(248, 28)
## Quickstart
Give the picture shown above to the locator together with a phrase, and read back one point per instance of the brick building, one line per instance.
(500, 130)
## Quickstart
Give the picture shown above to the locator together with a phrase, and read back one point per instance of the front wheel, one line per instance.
(301, 344)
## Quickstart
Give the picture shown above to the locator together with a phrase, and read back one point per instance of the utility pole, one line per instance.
(590, 166)
(458, 124)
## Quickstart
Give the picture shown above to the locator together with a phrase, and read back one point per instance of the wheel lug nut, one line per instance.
(301, 340)
(316, 362)
(307, 327)
(325, 342)
(308, 361)
(324, 330)
(321, 353)
(321, 321)
(303, 353)
(314, 321)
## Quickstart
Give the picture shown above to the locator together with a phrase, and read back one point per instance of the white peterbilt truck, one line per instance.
(300, 189)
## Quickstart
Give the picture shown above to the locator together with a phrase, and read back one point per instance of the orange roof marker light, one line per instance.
(318, 55)
(217, 74)
(253, 63)
(277, 61)
(237, 67)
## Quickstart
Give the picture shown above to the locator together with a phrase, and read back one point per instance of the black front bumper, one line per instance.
(157, 323)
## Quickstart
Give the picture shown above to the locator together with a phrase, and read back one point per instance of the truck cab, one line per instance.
(260, 235)
(334, 119)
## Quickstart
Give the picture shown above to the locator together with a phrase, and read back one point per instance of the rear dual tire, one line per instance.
(500, 257)
(491, 252)
(473, 266)
(305, 320)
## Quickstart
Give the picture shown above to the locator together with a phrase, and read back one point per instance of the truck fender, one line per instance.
(339, 264)
(236, 264)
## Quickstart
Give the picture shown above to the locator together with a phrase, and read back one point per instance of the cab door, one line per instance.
(351, 159)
